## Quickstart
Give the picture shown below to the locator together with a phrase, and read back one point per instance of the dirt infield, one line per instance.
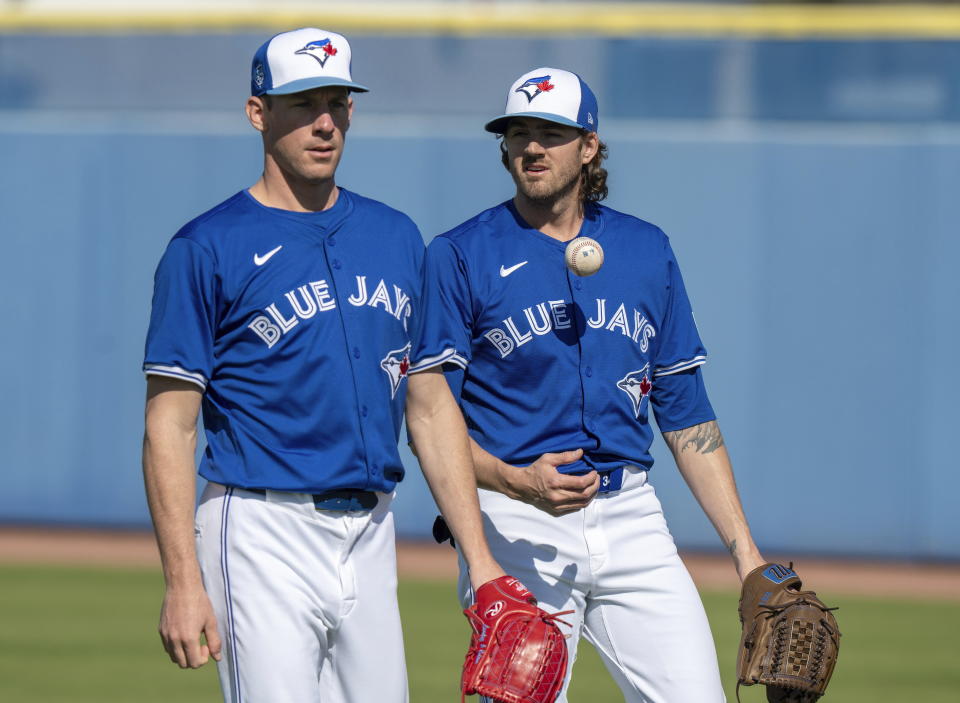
(434, 562)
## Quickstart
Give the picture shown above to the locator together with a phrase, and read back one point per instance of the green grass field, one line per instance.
(76, 635)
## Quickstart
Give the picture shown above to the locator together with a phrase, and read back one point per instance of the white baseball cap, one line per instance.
(302, 59)
(551, 94)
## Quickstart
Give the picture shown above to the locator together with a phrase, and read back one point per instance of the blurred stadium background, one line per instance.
(804, 159)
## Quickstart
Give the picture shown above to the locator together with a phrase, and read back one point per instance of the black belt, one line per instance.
(340, 501)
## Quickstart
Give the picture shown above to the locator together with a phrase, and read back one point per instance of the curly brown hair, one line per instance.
(593, 176)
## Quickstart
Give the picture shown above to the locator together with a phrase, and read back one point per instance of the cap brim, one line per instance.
(298, 86)
(499, 125)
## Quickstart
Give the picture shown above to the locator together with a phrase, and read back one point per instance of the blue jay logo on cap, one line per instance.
(321, 50)
(258, 75)
(533, 87)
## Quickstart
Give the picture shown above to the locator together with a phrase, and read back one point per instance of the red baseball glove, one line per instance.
(517, 653)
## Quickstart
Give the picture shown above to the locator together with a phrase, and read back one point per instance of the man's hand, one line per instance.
(543, 487)
(185, 615)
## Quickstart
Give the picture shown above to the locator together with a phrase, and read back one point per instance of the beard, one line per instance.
(545, 193)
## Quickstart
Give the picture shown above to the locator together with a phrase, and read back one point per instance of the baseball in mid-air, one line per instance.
(584, 256)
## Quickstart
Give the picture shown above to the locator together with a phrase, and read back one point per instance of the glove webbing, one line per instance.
(780, 644)
(477, 622)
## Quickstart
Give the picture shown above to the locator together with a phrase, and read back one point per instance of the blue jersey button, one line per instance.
(363, 410)
(356, 352)
(577, 284)
(588, 372)
(336, 264)
(332, 242)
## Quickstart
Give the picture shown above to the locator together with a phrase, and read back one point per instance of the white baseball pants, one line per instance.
(306, 600)
(615, 564)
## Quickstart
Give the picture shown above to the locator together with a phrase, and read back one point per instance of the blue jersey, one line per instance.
(550, 361)
(296, 326)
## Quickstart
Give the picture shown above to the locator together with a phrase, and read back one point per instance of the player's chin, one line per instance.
(531, 180)
(538, 186)
(537, 190)
(318, 172)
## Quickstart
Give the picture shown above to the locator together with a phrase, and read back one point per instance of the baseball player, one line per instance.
(272, 313)
(558, 377)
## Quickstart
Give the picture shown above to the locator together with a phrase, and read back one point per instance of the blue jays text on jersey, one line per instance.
(548, 361)
(307, 300)
(299, 337)
(539, 321)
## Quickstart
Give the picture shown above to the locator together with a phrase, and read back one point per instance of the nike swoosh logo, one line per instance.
(504, 272)
(261, 260)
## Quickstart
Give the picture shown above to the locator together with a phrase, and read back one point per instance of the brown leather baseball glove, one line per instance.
(517, 653)
(790, 638)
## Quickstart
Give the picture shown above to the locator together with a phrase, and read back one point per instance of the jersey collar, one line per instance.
(328, 220)
(592, 225)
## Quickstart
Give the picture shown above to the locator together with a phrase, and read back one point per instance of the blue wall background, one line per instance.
(809, 188)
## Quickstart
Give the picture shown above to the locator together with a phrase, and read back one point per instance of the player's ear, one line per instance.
(590, 145)
(256, 109)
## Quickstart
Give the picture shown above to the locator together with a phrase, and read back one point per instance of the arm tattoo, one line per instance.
(703, 438)
(733, 547)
